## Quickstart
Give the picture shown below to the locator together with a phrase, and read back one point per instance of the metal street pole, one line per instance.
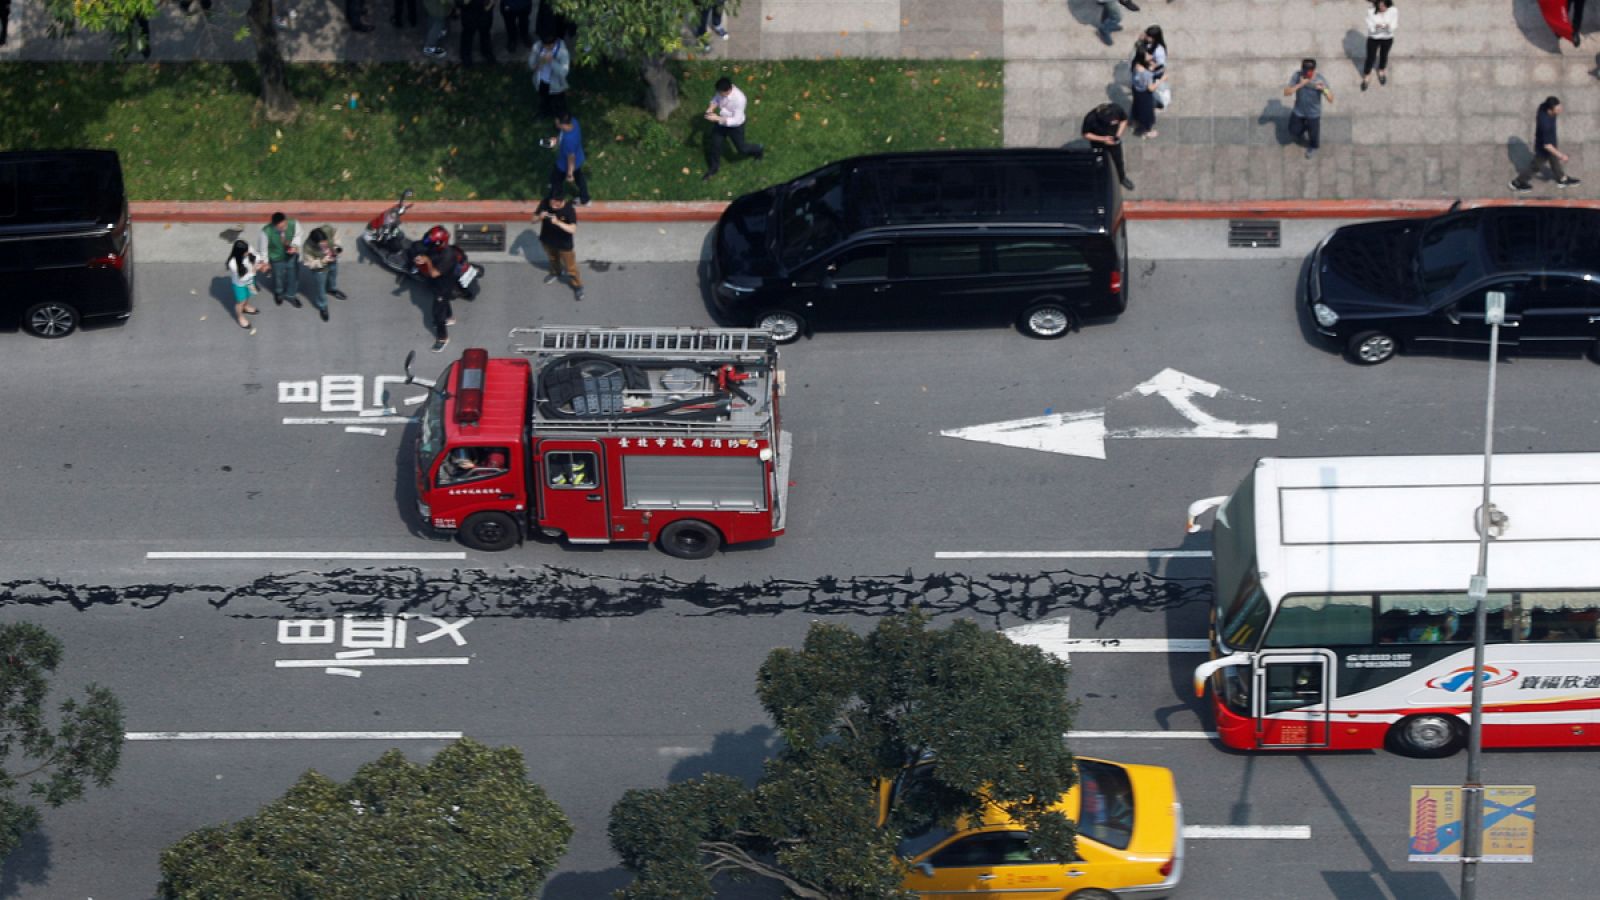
(1478, 592)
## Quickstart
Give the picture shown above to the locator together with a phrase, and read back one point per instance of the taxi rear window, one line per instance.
(1105, 811)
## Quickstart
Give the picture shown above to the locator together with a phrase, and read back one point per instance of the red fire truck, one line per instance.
(600, 435)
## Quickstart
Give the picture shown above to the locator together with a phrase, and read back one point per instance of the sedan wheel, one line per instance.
(1372, 347)
(51, 319)
(785, 327)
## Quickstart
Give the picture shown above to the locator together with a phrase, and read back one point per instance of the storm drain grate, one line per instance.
(1255, 233)
(481, 237)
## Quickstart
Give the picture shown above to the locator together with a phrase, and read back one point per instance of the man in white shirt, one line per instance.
(726, 113)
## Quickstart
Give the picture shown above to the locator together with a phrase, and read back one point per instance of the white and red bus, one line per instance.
(1342, 620)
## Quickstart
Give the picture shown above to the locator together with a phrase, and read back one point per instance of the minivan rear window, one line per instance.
(1028, 256)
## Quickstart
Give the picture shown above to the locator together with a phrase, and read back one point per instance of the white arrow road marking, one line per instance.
(1085, 433)
(1249, 832)
(1053, 636)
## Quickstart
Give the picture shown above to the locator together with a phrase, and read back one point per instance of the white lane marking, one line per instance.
(365, 663)
(1084, 433)
(1249, 832)
(357, 429)
(679, 752)
(1072, 554)
(292, 735)
(347, 420)
(1143, 735)
(301, 554)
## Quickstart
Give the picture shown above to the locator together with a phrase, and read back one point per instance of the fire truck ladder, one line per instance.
(568, 338)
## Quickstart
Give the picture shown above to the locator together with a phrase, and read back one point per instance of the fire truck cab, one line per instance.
(600, 435)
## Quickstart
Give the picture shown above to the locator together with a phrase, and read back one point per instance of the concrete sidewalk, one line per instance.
(1455, 119)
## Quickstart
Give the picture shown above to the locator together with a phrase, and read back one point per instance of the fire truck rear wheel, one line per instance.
(785, 326)
(493, 531)
(690, 539)
(1427, 736)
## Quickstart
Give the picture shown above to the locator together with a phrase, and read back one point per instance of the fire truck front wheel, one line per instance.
(493, 531)
(690, 539)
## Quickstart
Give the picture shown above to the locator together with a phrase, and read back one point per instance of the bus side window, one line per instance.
(1293, 685)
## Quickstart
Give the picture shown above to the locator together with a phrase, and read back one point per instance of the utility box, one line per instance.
(480, 238)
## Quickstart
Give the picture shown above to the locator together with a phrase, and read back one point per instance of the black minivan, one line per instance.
(1031, 237)
(66, 245)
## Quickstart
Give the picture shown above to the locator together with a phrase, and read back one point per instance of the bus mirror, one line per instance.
(1196, 510)
(1204, 671)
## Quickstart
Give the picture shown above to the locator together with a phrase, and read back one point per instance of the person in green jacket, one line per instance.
(280, 247)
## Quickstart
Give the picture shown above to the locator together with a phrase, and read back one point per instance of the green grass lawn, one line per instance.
(193, 132)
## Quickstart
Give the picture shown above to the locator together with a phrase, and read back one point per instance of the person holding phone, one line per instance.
(558, 224)
(1309, 89)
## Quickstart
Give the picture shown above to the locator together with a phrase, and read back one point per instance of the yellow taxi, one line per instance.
(1130, 842)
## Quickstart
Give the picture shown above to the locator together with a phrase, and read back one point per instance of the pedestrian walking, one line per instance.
(1308, 89)
(710, 19)
(1381, 22)
(477, 25)
(569, 159)
(280, 245)
(1546, 149)
(405, 10)
(1145, 84)
(1103, 127)
(558, 226)
(1111, 17)
(438, 26)
(550, 62)
(726, 112)
(243, 267)
(516, 13)
(321, 257)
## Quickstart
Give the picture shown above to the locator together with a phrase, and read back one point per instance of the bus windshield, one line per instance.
(1242, 606)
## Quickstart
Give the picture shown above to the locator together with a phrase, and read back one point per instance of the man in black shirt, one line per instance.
(1103, 128)
(558, 224)
(1546, 149)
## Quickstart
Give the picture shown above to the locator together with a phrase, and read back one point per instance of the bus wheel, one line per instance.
(493, 531)
(1427, 736)
(690, 539)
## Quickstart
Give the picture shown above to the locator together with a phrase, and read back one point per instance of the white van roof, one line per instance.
(1409, 523)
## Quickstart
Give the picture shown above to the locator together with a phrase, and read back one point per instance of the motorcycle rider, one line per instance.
(435, 260)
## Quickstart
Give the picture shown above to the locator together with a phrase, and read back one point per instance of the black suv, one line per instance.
(1378, 287)
(66, 246)
(1033, 238)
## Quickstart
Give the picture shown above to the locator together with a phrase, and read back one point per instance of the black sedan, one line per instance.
(1379, 287)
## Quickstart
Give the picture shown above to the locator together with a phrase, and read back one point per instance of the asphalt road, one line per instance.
(619, 667)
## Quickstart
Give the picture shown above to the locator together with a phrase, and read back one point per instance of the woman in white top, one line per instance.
(1381, 22)
(243, 266)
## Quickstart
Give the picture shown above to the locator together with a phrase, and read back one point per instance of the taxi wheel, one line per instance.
(1427, 736)
(1091, 894)
(492, 531)
(690, 539)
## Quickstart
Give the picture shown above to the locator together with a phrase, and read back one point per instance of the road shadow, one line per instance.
(1534, 28)
(586, 885)
(26, 866)
(1120, 89)
(1276, 115)
(1349, 885)
(1520, 154)
(742, 755)
(1355, 49)
(528, 247)
(222, 292)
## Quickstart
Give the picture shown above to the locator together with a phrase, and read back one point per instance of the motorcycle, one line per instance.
(385, 238)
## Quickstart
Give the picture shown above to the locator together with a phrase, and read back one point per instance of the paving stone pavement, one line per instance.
(1455, 119)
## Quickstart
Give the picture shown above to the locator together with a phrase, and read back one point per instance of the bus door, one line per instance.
(1292, 697)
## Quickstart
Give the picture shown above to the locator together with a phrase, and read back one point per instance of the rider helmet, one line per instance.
(437, 236)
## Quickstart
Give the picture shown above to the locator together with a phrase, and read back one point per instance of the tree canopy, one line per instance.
(854, 711)
(56, 762)
(467, 825)
(640, 32)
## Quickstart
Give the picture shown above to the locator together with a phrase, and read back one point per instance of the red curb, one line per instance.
(710, 210)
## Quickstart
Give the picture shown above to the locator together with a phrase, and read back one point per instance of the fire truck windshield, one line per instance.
(431, 441)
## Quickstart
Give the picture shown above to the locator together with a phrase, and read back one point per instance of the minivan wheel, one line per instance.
(785, 326)
(50, 319)
(1046, 321)
(690, 539)
(1372, 347)
(491, 531)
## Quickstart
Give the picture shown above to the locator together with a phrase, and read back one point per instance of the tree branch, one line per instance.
(725, 854)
